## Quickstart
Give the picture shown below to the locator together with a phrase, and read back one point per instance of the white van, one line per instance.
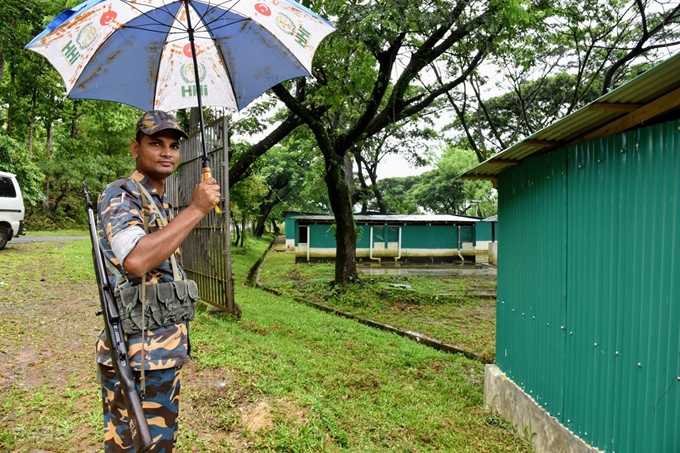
(11, 208)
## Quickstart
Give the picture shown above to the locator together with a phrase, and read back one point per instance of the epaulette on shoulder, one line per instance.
(126, 184)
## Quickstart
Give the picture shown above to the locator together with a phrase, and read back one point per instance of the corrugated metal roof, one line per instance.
(648, 96)
(393, 218)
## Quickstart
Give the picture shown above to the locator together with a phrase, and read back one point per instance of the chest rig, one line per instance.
(148, 307)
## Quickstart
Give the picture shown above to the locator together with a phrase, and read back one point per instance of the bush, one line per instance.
(14, 158)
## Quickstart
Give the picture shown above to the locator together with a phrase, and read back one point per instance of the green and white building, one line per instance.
(389, 239)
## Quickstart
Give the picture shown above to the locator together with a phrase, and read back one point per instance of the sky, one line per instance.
(394, 166)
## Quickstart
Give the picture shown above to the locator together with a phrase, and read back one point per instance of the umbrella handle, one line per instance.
(207, 173)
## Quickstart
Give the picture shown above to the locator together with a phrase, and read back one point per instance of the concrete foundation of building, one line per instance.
(532, 422)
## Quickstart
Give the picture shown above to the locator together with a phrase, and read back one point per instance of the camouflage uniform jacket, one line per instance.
(120, 208)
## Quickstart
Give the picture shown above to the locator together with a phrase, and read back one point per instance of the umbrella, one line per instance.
(169, 55)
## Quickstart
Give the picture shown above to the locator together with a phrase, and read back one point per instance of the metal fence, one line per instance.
(206, 253)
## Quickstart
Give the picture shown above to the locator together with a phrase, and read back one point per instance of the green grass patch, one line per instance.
(457, 310)
(58, 233)
(286, 377)
(340, 386)
(246, 257)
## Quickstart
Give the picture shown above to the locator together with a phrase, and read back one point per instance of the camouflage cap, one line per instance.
(155, 121)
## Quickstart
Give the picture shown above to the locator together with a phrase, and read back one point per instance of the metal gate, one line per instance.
(206, 253)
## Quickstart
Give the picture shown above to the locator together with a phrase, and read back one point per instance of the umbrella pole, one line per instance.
(207, 172)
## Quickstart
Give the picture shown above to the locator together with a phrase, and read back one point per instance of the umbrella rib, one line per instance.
(153, 20)
(144, 27)
(204, 26)
(224, 13)
(230, 23)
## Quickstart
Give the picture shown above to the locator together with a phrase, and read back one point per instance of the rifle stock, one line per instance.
(139, 427)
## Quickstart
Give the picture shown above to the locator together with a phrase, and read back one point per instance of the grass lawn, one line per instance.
(286, 377)
(460, 311)
(58, 233)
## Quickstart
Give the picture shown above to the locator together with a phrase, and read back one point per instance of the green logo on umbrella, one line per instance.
(187, 72)
(286, 24)
(87, 36)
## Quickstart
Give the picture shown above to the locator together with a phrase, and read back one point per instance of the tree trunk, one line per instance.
(10, 108)
(345, 234)
(48, 154)
(360, 195)
(376, 193)
(258, 229)
(237, 231)
(3, 54)
(31, 124)
(57, 201)
(265, 209)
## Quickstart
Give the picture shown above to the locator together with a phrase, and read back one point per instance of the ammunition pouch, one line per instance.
(166, 304)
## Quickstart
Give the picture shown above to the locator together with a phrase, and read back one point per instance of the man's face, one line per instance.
(157, 155)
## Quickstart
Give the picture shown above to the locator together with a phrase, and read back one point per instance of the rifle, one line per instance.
(139, 427)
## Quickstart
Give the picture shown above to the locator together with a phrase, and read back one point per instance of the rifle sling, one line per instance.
(160, 222)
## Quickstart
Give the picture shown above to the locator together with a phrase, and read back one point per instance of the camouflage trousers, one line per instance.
(161, 407)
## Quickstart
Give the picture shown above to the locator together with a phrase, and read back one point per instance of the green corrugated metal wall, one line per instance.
(290, 225)
(588, 310)
(531, 280)
(434, 236)
(322, 235)
(363, 239)
(483, 231)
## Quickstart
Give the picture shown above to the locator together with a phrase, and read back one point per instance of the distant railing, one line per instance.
(206, 253)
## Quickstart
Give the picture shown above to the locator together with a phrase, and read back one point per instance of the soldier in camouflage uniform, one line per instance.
(131, 253)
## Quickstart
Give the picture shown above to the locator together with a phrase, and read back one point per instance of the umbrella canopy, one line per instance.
(168, 55)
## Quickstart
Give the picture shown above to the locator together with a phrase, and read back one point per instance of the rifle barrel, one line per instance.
(139, 427)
